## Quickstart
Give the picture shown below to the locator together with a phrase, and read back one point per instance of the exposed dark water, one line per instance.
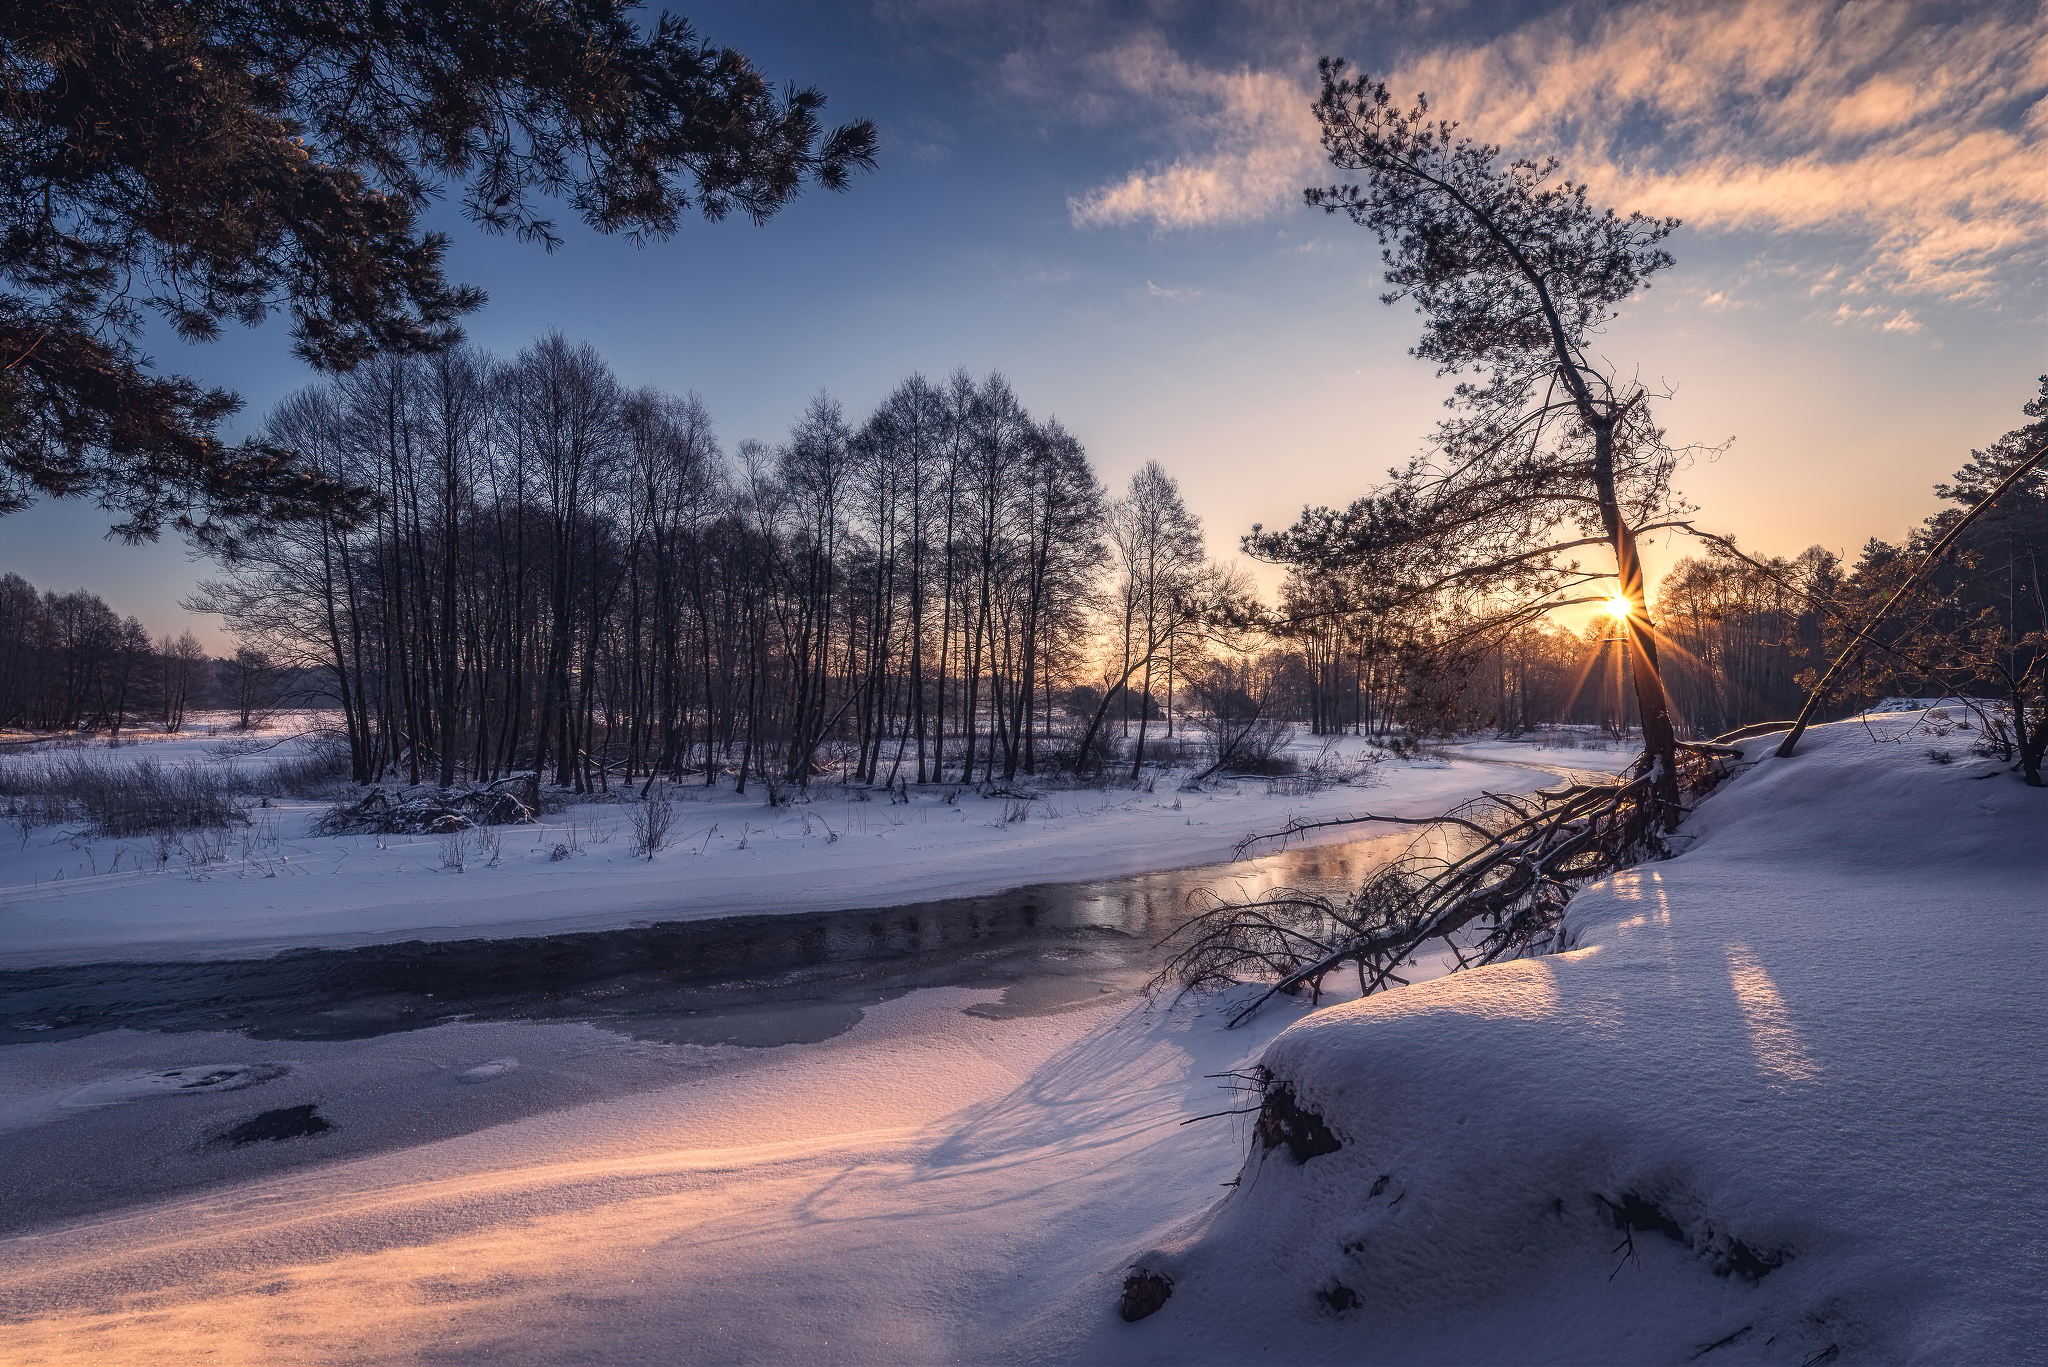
(751, 980)
(747, 980)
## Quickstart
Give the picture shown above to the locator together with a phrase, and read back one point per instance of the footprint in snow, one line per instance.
(484, 1072)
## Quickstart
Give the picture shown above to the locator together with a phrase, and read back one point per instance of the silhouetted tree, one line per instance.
(1513, 271)
(211, 161)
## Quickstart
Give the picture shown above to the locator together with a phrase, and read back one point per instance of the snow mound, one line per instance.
(1782, 1104)
(189, 1080)
(484, 1072)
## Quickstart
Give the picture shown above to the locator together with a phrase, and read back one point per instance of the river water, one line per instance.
(747, 980)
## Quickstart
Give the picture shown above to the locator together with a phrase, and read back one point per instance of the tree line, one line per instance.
(941, 593)
(68, 662)
(1740, 638)
(566, 575)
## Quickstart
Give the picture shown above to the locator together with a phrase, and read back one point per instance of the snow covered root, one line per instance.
(1757, 1118)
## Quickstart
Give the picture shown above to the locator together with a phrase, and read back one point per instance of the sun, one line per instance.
(1618, 607)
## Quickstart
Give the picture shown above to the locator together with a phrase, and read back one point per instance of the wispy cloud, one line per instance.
(1918, 141)
(1922, 139)
(1880, 316)
(1248, 135)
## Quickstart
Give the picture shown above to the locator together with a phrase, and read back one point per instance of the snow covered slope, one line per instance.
(1783, 1104)
(1813, 1040)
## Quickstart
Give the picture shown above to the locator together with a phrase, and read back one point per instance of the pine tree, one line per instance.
(214, 161)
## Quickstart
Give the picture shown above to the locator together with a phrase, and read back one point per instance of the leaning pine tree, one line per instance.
(1546, 453)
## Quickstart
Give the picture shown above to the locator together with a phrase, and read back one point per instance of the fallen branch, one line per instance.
(1498, 892)
(1825, 688)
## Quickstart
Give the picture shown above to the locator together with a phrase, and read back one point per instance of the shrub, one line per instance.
(321, 767)
(652, 818)
(424, 810)
(142, 798)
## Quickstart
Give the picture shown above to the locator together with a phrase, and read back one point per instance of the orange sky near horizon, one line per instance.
(1103, 202)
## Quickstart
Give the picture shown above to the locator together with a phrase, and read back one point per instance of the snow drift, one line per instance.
(1781, 1104)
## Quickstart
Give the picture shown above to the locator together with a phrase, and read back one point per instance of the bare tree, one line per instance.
(180, 664)
(1159, 547)
(1167, 598)
(566, 417)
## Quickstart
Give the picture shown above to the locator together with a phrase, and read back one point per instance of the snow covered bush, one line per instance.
(424, 810)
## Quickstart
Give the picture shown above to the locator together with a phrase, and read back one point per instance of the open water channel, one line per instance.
(759, 980)
(745, 980)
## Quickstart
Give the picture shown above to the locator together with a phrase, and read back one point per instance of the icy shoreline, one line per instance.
(63, 900)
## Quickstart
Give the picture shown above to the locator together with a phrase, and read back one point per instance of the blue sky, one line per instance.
(1102, 202)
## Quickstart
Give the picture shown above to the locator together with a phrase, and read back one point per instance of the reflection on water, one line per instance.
(749, 980)
(746, 980)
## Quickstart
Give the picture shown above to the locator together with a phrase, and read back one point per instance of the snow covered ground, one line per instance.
(1799, 1063)
(933, 1186)
(1783, 1104)
(1594, 752)
(66, 897)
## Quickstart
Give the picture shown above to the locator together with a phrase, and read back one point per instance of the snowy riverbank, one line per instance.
(1804, 1054)
(1782, 1104)
(65, 897)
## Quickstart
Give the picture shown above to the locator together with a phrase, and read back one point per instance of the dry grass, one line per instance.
(128, 799)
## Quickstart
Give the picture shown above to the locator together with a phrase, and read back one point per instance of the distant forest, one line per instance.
(565, 575)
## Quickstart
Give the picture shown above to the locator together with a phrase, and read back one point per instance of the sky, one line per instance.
(1102, 201)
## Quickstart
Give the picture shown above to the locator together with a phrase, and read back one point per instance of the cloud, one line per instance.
(1153, 291)
(1901, 320)
(1922, 140)
(1916, 141)
(1251, 140)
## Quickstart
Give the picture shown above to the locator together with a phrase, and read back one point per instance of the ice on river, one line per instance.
(68, 897)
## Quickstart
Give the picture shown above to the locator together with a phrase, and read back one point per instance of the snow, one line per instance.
(1930, 704)
(65, 897)
(1599, 754)
(1813, 1038)
(927, 1187)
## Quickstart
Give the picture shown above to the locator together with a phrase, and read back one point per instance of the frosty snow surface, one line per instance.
(1781, 1105)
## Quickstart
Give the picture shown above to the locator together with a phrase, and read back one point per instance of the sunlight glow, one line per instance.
(1780, 1054)
(1618, 608)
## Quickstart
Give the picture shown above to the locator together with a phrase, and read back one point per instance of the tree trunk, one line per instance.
(1660, 742)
